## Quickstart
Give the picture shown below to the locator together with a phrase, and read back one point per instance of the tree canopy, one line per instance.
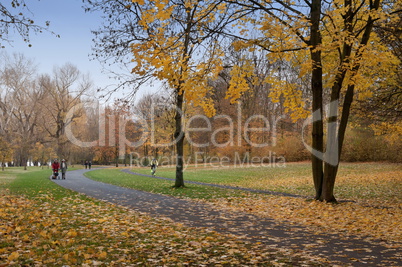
(331, 44)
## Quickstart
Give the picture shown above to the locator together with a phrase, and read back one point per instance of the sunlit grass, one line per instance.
(158, 186)
(9, 174)
(354, 180)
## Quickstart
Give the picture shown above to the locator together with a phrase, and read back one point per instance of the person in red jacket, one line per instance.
(55, 168)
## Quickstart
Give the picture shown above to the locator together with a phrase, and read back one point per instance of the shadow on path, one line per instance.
(350, 251)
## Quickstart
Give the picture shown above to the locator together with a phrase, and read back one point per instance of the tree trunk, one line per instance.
(331, 157)
(24, 161)
(116, 155)
(179, 138)
(335, 139)
(317, 89)
(179, 134)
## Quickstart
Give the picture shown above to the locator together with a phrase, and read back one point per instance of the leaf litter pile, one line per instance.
(77, 231)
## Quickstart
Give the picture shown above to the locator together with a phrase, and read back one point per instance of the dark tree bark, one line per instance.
(179, 138)
(317, 90)
(179, 93)
(335, 135)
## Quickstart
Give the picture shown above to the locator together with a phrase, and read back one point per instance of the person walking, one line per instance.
(154, 165)
(63, 169)
(55, 168)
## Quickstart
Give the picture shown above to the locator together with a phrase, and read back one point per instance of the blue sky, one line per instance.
(69, 20)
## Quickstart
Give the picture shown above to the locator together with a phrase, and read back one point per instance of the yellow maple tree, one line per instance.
(335, 46)
(179, 48)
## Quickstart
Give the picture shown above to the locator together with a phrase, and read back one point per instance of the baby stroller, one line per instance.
(55, 168)
(55, 174)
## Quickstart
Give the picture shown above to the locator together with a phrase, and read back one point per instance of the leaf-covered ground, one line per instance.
(347, 218)
(79, 232)
(370, 196)
(55, 228)
(42, 224)
(371, 206)
(372, 212)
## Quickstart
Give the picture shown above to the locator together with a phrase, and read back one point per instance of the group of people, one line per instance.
(88, 164)
(56, 166)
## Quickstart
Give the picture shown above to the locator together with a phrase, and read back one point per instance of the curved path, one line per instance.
(350, 251)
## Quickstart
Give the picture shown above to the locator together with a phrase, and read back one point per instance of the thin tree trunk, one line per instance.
(24, 162)
(179, 137)
(331, 157)
(179, 134)
(331, 170)
(317, 89)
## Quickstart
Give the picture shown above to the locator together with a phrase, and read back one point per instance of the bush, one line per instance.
(362, 145)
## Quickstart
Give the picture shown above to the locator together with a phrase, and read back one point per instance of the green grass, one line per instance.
(267, 178)
(354, 180)
(33, 182)
(8, 175)
(158, 186)
(233, 174)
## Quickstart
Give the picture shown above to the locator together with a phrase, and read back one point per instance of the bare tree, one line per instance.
(22, 96)
(63, 91)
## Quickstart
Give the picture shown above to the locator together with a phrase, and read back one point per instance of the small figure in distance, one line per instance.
(154, 165)
(63, 169)
(55, 168)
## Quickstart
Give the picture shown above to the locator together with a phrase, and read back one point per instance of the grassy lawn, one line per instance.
(375, 188)
(356, 181)
(42, 224)
(117, 177)
(33, 183)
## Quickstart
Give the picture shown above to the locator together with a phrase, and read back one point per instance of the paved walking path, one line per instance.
(350, 251)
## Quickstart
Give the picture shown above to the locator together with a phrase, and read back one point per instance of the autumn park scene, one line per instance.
(234, 133)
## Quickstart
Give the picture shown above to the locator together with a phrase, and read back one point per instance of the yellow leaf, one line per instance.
(102, 255)
(13, 256)
(43, 234)
(72, 233)
(25, 238)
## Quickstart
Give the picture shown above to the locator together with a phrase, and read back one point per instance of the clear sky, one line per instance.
(69, 20)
